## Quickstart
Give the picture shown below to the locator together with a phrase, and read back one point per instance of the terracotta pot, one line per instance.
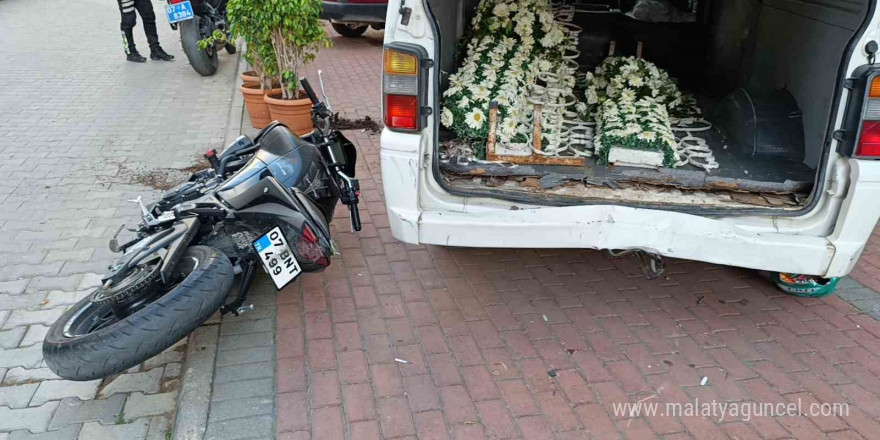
(256, 106)
(296, 114)
(250, 78)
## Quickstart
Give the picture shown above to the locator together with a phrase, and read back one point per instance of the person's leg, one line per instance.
(129, 20)
(148, 17)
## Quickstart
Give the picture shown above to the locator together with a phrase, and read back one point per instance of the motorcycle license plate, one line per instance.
(179, 11)
(277, 258)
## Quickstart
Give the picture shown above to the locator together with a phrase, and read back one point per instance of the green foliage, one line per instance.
(216, 37)
(282, 36)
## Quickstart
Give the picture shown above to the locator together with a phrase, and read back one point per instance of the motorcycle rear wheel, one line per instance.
(88, 342)
(204, 62)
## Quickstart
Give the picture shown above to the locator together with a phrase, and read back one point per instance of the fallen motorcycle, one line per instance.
(266, 201)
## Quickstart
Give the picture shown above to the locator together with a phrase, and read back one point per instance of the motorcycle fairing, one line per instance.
(175, 239)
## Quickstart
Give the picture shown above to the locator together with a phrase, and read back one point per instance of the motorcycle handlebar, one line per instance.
(355, 218)
(309, 91)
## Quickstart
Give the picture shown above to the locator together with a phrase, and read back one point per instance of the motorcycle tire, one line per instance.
(145, 333)
(205, 62)
(349, 31)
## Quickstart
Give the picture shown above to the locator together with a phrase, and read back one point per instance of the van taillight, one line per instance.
(860, 134)
(404, 87)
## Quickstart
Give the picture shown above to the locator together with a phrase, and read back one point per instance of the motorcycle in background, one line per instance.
(198, 20)
(264, 202)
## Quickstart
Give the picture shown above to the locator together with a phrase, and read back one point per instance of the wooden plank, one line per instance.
(536, 134)
(537, 159)
(493, 120)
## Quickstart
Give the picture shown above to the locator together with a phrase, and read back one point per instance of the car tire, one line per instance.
(349, 31)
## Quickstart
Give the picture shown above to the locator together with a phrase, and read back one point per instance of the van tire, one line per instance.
(349, 31)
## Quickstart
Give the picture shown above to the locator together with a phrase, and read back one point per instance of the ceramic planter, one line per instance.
(296, 114)
(257, 108)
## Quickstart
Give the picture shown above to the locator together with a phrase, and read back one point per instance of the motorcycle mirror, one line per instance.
(324, 92)
(114, 243)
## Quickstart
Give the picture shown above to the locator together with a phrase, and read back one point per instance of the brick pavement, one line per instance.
(540, 344)
(80, 128)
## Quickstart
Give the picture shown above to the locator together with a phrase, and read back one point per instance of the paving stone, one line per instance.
(243, 389)
(23, 301)
(147, 382)
(11, 338)
(28, 317)
(163, 358)
(3, 315)
(89, 281)
(136, 430)
(44, 283)
(18, 375)
(172, 370)
(245, 355)
(17, 396)
(28, 357)
(33, 419)
(237, 408)
(159, 429)
(34, 335)
(59, 389)
(68, 433)
(73, 411)
(59, 298)
(255, 370)
(140, 405)
(14, 287)
(245, 428)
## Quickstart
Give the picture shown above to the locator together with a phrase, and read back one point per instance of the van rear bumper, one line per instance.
(613, 227)
(668, 233)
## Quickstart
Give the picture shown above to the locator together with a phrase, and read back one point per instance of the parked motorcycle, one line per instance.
(266, 201)
(198, 20)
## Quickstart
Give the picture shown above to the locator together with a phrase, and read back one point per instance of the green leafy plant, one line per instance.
(216, 37)
(291, 27)
(259, 52)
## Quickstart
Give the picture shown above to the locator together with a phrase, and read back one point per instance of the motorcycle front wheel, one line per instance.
(90, 342)
(204, 62)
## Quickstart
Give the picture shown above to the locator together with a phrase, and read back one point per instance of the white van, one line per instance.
(807, 213)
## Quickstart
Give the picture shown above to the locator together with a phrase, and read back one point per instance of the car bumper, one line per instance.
(355, 12)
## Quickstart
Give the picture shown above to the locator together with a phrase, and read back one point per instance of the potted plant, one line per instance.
(259, 53)
(294, 28)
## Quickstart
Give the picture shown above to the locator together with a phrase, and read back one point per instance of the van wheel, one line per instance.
(349, 30)
(805, 286)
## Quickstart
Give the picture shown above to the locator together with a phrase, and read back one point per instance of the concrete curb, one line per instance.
(195, 390)
(193, 403)
(236, 109)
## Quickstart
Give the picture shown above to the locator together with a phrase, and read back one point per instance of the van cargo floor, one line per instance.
(738, 171)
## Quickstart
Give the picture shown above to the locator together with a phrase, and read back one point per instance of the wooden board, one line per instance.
(532, 159)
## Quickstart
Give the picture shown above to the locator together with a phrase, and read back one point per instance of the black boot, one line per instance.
(159, 54)
(134, 56)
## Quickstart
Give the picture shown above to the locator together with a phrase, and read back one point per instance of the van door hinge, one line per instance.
(405, 13)
(426, 160)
